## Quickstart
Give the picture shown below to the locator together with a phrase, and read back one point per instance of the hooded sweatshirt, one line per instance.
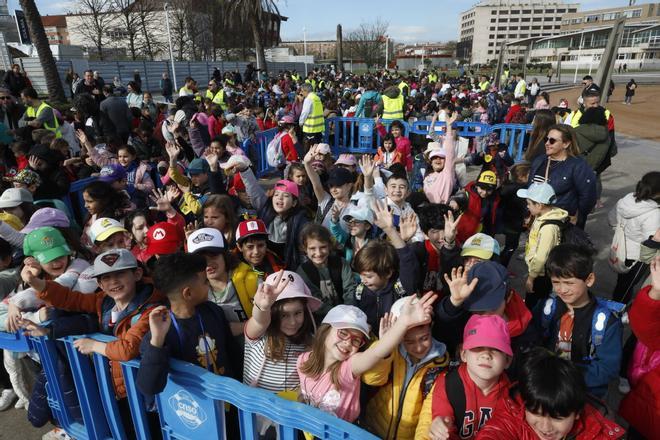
(439, 186)
(542, 238)
(594, 143)
(640, 221)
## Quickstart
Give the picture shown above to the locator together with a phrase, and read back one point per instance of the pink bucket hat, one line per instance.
(295, 289)
(487, 331)
(287, 186)
(287, 119)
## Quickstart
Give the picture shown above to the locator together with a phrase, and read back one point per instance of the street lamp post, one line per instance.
(169, 39)
(577, 59)
(305, 49)
(387, 52)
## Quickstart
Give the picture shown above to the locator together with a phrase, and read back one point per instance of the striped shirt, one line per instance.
(271, 375)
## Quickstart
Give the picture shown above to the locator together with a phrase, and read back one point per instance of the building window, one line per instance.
(547, 27)
(491, 37)
(561, 11)
(557, 27)
(549, 11)
(592, 18)
(513, 28)
(491, 44)
(527, 11)
(633, 13)
(501, 28)
(493, 20)
(572, 10)
(537, 19)
(523, 35)
(490, 52)
(525, 19)
(514, 20)
(524, 28)
(515, 12)
(493, 12)
(536, 28)
(576, 20)
(492, 28)
(504, 20)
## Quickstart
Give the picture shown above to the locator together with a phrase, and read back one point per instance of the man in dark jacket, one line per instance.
(115, 115)
(166, 87)
(15, 81)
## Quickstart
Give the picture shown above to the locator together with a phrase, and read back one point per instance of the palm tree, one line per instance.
(256, 14)
(40, 41)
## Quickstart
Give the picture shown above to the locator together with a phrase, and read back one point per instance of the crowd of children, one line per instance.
(372, 287)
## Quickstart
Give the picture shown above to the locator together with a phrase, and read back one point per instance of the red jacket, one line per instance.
(513, 110)
(471, 219)
(641, 406)
(509, 424)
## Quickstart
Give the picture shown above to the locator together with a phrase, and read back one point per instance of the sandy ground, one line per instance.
(638, 119)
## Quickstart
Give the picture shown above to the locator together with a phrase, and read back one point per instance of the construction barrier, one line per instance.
(192, 405)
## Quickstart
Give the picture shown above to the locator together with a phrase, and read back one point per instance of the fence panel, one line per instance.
(192, 404)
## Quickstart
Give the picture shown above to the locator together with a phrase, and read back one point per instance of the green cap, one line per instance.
(45, 244)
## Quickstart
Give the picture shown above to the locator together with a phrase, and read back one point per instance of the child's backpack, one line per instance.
(617, 257)
(369, 107)
(605, 309)
(570, 233)
(274, 154)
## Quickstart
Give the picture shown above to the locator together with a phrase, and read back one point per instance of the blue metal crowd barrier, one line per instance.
(256, 151)
(358, 135)
(192, 405)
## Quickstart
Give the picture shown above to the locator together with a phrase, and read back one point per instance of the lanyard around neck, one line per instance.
(179, 334)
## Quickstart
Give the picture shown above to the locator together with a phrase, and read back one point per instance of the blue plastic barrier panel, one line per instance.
(189, 413)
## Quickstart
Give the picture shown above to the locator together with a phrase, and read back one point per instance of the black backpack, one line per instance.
(570, 233)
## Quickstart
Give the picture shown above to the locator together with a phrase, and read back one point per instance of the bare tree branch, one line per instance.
(367, 43)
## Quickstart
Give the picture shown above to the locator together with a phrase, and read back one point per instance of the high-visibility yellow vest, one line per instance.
(321, 84)
(55, 127)
(505, 75)
(393, 107)
(315, 122)
(577, 114)
(433, 78)
(403, 85)
(295, 77)
(230, 82)
(218, 98)
(312, 82)
(186, 91)
(484, 85)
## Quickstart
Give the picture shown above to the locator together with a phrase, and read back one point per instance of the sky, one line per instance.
(436, 21)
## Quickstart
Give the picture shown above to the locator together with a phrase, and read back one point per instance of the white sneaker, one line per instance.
(56, 434)
(624, 385)
(7, 398)
(21, 403)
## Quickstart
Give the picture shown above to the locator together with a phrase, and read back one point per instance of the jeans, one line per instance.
(628, 100)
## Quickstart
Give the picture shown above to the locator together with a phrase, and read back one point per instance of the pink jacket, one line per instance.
(438, 187)
(403, 146)
(143, 180)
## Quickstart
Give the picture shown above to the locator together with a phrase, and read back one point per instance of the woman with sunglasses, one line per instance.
(567, 172)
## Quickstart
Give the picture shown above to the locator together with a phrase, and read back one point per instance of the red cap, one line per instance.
(163, 238)
(248, 228)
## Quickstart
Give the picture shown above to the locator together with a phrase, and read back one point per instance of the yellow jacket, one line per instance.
(189, 203)
(384, 417)
(541, 241)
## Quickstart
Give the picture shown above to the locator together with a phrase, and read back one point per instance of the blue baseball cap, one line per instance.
(198, 166)
(112, 173)
(539, 192)
(491, 288)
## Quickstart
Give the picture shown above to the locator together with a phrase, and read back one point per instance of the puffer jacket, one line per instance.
(641, 406)
(510, 424)
(129, 331)
(368, 96)
(640, 221)
(594, 143)
(393, 412)
(542, 238)
(574, 183)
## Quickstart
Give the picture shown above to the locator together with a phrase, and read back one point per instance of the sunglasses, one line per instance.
(4, 97)
(345, 335)
(551, 141)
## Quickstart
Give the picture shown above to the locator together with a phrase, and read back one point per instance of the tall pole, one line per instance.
(305, 49)
(387, 52)
(577, 59)
(169, 39)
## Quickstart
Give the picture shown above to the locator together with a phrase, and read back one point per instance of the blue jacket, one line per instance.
(376, 304)
(574, 183)
(186, 344)
(360, 111)
(600, 363)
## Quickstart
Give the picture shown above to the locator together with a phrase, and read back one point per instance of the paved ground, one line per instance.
(636, 157)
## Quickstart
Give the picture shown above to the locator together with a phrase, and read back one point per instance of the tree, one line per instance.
(257, 14)
(40, 41)
(96, 20)
(130, 24)
(147, 11)
(367, 43)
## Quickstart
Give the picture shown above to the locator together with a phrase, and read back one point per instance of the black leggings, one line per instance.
(625, 282)
(511, 241)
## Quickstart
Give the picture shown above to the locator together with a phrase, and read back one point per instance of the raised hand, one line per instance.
(335, 212)
(162, 201)
(309, 156)
(267, 293)
(417, 311)
(450, 227)
(159, 324)
(212, 159)
(459, 287)
(190, 228)
(408, 226)
(82, 137)
(173, 151)
(367, 165)
(14, 318)
(172, 193)
(386, 324)
(655, 278)
(30, 274)
(382, 215)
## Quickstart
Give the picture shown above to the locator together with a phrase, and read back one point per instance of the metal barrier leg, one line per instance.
(136, 403)
(107, 396)
(248, 424)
